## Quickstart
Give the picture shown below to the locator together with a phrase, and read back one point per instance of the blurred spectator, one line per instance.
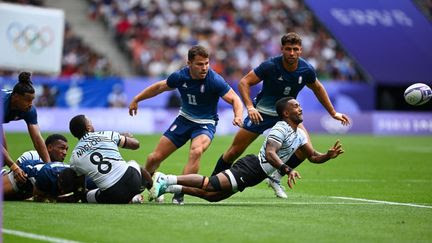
(157, 34)
(47, 98)
(426, 7)
(78, 58)
(117, 97)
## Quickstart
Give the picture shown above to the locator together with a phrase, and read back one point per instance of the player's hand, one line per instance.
(133, 108)
(238, 121)
(342, 117)
(19, 174)
(334, 151)
(254, 115)
(292, 178)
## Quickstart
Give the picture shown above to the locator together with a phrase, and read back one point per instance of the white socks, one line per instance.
(174, 189)
(171, 180)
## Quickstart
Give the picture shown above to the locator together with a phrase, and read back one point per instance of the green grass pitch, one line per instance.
(390, 169)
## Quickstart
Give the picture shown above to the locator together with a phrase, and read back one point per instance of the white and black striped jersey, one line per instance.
(290, 140)
(97, 156)
(29, 155)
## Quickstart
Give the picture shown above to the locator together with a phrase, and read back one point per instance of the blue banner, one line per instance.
(390, 39)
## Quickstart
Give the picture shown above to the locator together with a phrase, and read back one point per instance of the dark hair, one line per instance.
(54, 137)
(24, 84)
(69, 181)
(291, 38)
(280, 105)
(197, 51)
(77, 126)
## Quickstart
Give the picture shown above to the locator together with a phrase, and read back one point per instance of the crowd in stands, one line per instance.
(78, 58)
(239, 33)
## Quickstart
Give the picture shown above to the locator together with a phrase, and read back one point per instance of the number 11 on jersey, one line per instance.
(191, 99)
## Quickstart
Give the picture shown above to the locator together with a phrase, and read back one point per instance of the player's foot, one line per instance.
(277, 188)
(178, 199)
(160, 199)
(159, 186)
(139, 198)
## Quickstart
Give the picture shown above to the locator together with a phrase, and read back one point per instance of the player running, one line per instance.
(200, 88)
(284, 75)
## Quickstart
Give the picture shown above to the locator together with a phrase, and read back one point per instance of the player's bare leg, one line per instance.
(163, 149)
(198, 146)
(242, 140)
(194, 185)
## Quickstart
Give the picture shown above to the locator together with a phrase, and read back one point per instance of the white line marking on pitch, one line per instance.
(384, 202)
(37, 237)
(277, 203)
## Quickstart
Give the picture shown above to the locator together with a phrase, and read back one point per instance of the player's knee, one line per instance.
(196, 152)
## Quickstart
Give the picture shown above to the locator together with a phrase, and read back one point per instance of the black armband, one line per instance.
(284, 169)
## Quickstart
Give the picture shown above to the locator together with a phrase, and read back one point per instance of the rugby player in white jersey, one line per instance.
(97, 156)
(280, 144)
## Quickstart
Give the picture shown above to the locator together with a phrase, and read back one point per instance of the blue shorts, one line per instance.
(182, 129)
(269, 122)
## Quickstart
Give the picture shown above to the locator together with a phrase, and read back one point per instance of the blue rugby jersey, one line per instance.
(30, 117)
(279, 83)
(199, 97)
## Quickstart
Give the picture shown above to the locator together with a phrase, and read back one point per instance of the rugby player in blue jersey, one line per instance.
(283, 140)
(282, 76)
(45, 180)
(200, 88)
(17, 105)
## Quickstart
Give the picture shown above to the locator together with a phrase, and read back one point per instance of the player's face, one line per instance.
(295, 111)
(23, 102)
(58, 150)
(291, 53)
(199, 67)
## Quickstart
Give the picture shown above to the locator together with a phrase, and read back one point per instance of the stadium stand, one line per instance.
(156, 34)
(78, 58)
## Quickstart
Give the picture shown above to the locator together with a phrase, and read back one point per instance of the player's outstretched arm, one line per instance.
(244, 86)
(317, 157)
(148, 92)
(38, 142)
(324, 99)
(232, 98)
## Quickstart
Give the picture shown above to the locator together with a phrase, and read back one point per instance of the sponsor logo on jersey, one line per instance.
(300, 79)
(173, 127)
(184, 85)
(202, 89)
(280, 78)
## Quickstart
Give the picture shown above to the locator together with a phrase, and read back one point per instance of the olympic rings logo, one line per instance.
(29, 37)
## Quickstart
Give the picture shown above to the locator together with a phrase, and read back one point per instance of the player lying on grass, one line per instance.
(44, 181)
(97, 156)
(281, 143)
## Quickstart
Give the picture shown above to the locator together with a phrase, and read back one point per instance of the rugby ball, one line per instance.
(418, 94)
